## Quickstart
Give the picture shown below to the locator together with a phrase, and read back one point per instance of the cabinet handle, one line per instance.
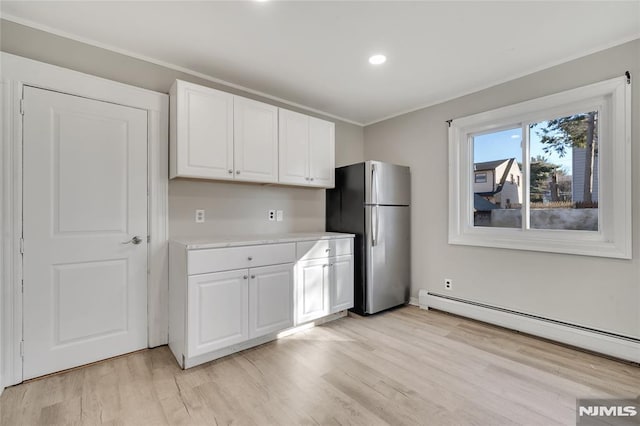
(237, 172)
(230, 171)
(325, 265)
(253, 277)
(245, 277)
(306, 178)
(327, 250)
(311, 179)
(249, 258)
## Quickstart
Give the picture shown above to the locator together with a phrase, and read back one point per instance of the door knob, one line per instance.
(135, 240)
(230, 171)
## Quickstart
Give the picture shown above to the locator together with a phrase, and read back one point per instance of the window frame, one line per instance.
(612, 100)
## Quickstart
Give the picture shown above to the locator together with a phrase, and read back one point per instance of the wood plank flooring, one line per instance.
(403, 367)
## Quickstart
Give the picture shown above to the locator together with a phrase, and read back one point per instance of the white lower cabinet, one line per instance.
(313, 290)
(223, 300)
(270, 299)
(217, 314)
(324, 284)
(341, 283)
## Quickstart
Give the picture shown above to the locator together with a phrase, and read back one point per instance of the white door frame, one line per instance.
(16, 73)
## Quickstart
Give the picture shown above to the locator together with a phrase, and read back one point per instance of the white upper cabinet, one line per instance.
(321, 153)
(217, 135)
(255, 141)
(307, 150)
(201, 132)
(294, 148)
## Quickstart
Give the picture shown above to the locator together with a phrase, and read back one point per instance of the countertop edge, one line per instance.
(259, 240)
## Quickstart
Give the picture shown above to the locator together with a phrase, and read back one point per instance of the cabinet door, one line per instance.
(321, 153)
(293, 147)
(204, 132)
(312, 290)
(255, 141)
(341, 283)
(217, 307)
(270, 299)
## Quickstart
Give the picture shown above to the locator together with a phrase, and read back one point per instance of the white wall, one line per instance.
(594, 292)
(230, 207)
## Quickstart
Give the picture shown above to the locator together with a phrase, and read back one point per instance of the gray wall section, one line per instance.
(231, 208)
(595, 292)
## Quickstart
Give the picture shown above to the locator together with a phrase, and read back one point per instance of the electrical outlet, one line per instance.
(279, 215)
(271, 215)
(200, 216)
(448, 284)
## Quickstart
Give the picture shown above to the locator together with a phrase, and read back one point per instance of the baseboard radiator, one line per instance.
(618, 346)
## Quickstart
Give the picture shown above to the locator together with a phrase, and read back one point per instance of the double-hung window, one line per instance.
(551, 174)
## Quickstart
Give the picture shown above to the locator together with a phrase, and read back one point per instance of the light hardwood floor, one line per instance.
(403, 367)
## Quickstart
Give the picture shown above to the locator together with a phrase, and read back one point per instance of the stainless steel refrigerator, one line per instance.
(372, 201)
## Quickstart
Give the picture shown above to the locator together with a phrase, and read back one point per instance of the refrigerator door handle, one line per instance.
(374, 227)
(374, 182)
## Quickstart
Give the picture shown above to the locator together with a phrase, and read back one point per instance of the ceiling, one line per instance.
(314, 53)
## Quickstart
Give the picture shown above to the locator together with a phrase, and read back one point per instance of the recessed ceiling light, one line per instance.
(377, 59)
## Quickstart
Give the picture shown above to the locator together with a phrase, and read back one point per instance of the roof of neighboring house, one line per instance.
(489, 165)
(482, 205)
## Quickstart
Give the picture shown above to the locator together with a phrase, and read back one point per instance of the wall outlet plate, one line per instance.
(448, 284)
(279, 215)
(271, 215)
(200, 216)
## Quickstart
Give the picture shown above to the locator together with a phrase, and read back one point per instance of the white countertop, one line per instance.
(195, 243)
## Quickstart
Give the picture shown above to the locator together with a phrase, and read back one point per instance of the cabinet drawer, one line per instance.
(323, 248)
(225, 259)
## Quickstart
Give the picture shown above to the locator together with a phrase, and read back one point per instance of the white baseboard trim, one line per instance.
(622, 347)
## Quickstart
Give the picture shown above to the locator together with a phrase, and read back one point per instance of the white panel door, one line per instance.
(204, 132)
(217, 306)
(341, 283)
(312, 290)
(321, 153)
(293, 147)
(84, 195)
(255, 140)
(270, 299)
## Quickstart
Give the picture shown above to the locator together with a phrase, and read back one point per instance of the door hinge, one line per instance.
(22, 286)
(22, 348)
(21, 106)
(148, 238)
(21, 245)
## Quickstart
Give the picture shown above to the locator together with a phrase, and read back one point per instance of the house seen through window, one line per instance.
(562, 170)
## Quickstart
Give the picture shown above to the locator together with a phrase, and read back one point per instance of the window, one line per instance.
(481, 177)
(551, 174)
